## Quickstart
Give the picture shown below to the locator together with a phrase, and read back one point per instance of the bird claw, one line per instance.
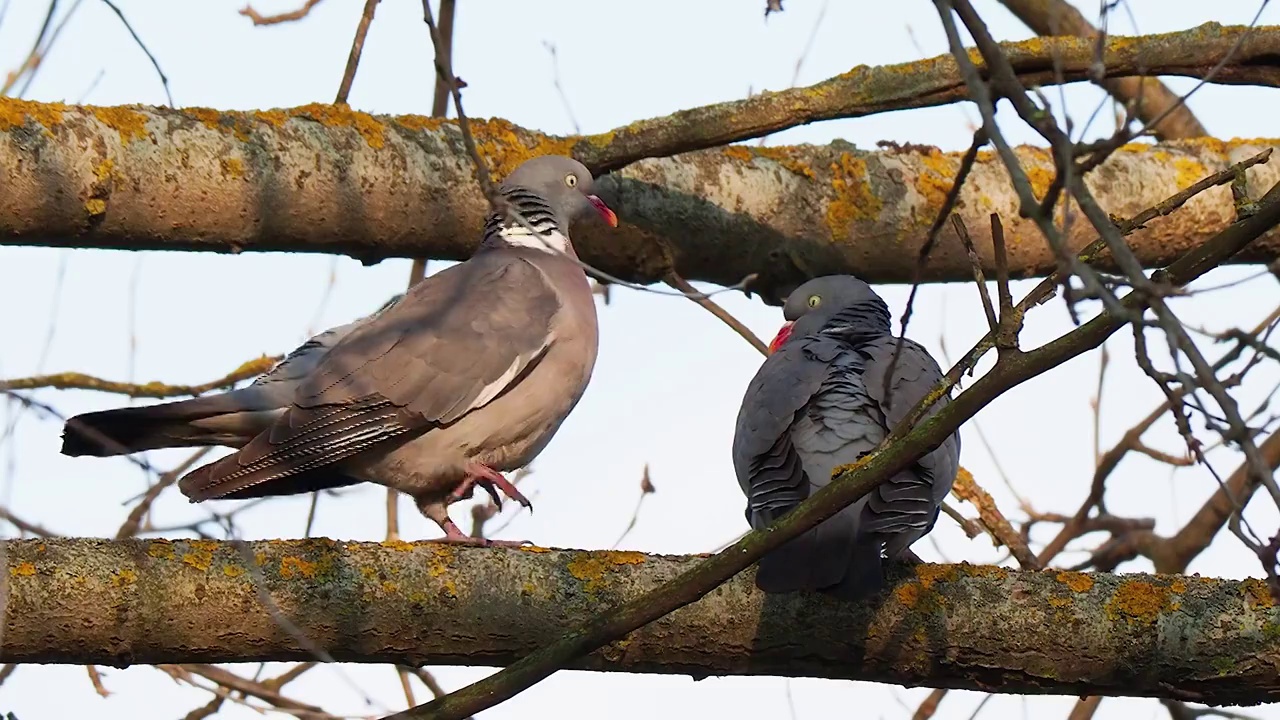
(454, 536)
(492, 481)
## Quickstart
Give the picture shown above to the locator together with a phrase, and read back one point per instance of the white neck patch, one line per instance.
(552, 241)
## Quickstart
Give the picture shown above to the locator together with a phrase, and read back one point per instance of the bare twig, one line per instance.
(357, 47)
(154, 63)
(290, 16)
(158, 390)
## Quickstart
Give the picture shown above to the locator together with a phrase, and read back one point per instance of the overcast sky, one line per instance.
(669, 377)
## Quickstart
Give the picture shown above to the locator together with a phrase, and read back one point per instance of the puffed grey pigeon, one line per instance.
(819, 402)
(231, 418)
(469, 375)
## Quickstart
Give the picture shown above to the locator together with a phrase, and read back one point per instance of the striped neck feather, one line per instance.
(537, 213)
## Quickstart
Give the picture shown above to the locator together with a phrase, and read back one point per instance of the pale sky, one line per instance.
(669, 377)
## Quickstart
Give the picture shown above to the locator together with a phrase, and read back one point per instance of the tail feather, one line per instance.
(830, 558)
(122, 431)
(197, 484)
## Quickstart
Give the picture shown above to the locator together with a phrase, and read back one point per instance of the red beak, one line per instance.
(605, 212)
(784, 332)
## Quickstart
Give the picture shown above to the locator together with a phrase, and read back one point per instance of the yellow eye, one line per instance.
(571, 180)
(814, 301)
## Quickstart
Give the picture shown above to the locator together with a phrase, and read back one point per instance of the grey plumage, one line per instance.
(231, 418)
(469, 375)
(819, 402)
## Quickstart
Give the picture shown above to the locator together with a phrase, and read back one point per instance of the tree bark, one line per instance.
(322, 178)
(956, 626)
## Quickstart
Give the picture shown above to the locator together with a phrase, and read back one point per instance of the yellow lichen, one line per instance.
(1059, 602)
(1138, 601)
(397, 545)
(781, 155)
(15, 113)
(232, 571)
(131, 124)
(500, 145)
(936, 181)
(994, 572)
(389, 587)
(124, 577)
(95, 206)
(908, 593)
(1256, 593)
(1041, 177)
(198, 558)
(343, 116)
(105, 170)
(274, 118)
(1077, 581)
(160, 549)
(232, 167)
(291, 566)
(1179, 586)
(1189, 171)
(22, 569)
(441, 558)
(419, 122)
(534, 549)
(591, 567)
(854, 199)
(929, 574)
(738, 152)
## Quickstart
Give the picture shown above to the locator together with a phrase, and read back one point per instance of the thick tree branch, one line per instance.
(959, 626)
(323, 178)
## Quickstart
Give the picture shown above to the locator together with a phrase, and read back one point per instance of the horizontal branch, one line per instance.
(958, 626)
(322, 178)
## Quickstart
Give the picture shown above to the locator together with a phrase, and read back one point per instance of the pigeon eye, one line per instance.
(814, 301)
(571, 180)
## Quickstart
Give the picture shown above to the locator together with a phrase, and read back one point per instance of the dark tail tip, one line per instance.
(82, 436)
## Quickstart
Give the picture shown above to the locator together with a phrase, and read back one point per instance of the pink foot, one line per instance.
(492, 481)
(454, 536)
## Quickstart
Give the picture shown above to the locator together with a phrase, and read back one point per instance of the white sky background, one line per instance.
(669, 377)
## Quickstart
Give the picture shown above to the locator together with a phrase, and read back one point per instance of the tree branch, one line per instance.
(322, 178)
(159, 602)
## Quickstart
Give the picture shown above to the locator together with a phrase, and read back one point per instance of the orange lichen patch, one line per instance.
(260, 558)
(1138, 601)
(389, 587)
(343, 116)
(591, 567)
(232, 571)
(1179, 586)
(441, 558)
(291, 566)
(419, 123)
(232, 167)
(210, 117)
(1077, 581)
(95, 206)
(1189, 171)
(274, 118)
(22, 569)
(929, 574)
(397, 545)
(1059, 602)
(936, 182)
(534, 549)
(124, 577)
(1256, 593)
(501, 147)
(854, 198)
(908, 593)
(1041, 177)
(200, 556)
(738, 152)
(986, 156)
(14, 113)
(160, 549)
(994, 572)
(131, 124)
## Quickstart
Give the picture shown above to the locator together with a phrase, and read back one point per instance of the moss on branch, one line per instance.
(963, 626)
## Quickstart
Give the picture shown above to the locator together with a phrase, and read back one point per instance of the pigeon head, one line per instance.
(835, 304)
(564, 184)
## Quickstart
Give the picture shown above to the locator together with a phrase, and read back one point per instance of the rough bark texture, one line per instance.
(960, 626)
(323, 178)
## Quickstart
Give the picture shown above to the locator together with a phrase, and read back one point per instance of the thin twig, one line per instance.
(157, 390)
(154, 63)
(357, 47)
